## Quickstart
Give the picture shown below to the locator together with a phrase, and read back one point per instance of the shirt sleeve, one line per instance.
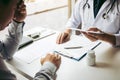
(11, 43)
(75, 19)
(117, 36)
(47, 72)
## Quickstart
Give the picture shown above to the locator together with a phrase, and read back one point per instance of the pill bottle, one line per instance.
(91, 58)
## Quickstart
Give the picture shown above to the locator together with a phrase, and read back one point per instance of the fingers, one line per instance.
(93, 29)
(105, 37)
(90, 37)
(102, 36)
(63, 37)
(21, 8)
(42, 61)
(96, 34)
(50, 57)
(57, 60)
(93, 34)
(57, 56)
(53, 58)
(20, 13)
(58, 39)
(67, 38)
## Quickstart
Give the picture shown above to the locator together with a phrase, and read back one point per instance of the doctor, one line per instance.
(95, 15)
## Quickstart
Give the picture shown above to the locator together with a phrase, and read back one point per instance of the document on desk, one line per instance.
(44, 44)
(76, 48)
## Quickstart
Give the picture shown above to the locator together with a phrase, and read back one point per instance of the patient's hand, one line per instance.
(53, 58)
(20, 13)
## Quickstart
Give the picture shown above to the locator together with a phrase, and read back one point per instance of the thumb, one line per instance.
(42, 60)
(93, 29)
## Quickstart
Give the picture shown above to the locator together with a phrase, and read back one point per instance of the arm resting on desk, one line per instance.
(47, 72)
(9, 46)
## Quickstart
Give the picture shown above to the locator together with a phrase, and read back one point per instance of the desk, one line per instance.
(74, 70)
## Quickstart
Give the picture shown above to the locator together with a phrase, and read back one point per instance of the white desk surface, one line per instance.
(105, 69)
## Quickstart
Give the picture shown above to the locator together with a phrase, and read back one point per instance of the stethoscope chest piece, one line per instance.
(105, 16)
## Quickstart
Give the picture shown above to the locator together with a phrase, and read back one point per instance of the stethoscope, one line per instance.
(105, 15)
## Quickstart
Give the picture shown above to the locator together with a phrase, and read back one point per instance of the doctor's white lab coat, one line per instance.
(85, 17)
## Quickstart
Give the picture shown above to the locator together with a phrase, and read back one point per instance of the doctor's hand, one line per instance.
(89, 36)
(63, 37)
(53, 58)
(20, 13)
(100, 36)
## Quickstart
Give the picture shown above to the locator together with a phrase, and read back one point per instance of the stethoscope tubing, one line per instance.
(104, 14)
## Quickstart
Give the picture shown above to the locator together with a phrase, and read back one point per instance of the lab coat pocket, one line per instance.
(111, 23)
(114, 22)
(114, 17)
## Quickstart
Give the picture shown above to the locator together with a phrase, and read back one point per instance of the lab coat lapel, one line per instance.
(92, 11)
(88, 16)
(103, 9)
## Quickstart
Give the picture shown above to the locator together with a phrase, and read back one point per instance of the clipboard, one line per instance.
(79, 53)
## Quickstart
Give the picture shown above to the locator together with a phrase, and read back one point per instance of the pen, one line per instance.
(76, 47)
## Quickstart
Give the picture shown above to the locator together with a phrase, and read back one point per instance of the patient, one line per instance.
(13, 13)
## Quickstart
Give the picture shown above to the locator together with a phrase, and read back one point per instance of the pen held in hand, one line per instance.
(76, 47)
